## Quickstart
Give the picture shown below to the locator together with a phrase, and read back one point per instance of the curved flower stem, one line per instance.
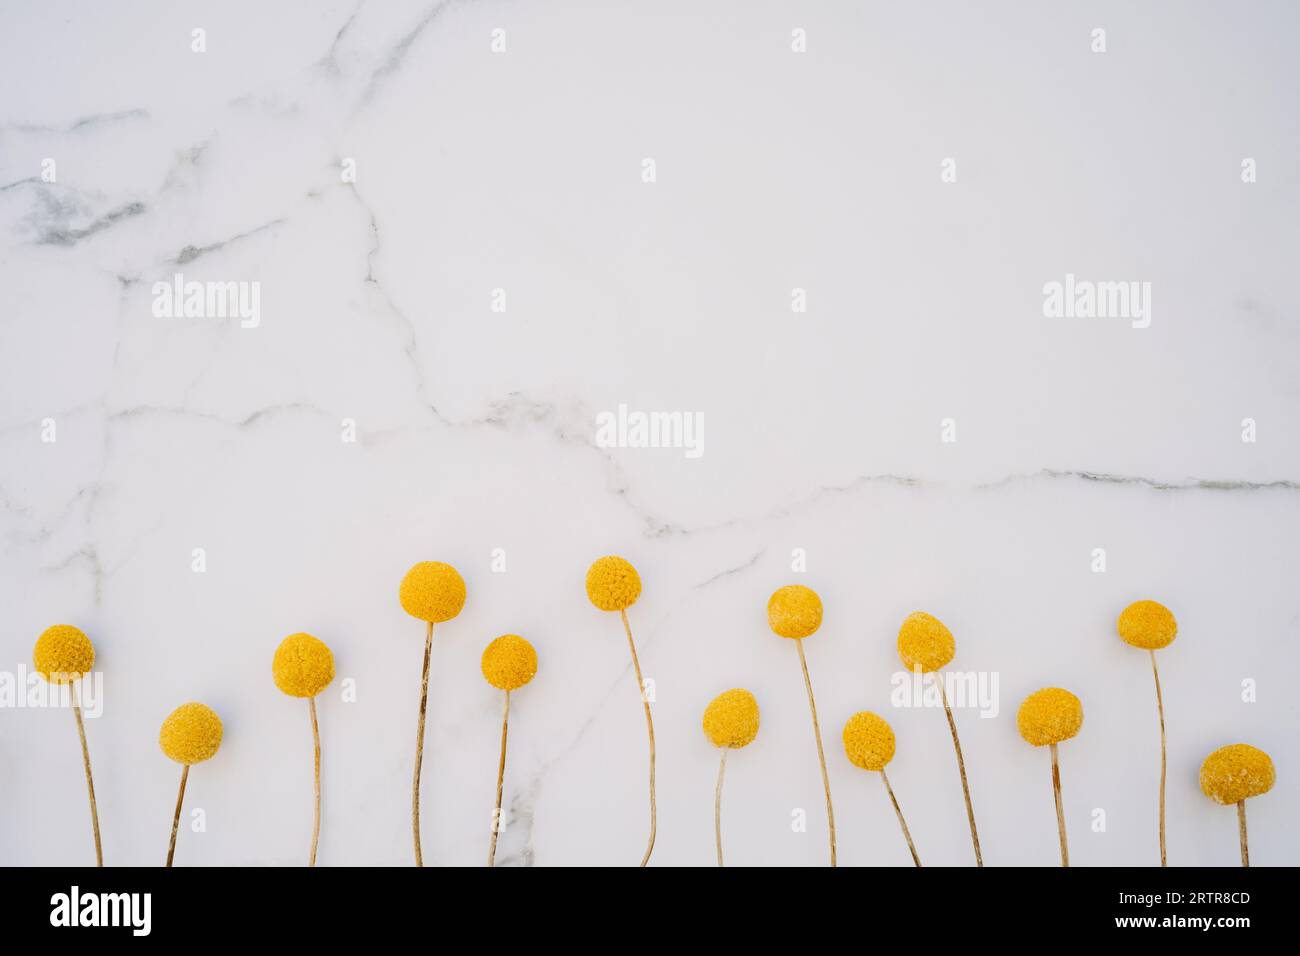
(1060, 812)
(717, 804)
(650, 729)
(501, 777)
(90, 781)
(901, 822)
(419, 747)
(1160, 707)
(176, 818)
(821, 753)
(961, 769)
(315, 734)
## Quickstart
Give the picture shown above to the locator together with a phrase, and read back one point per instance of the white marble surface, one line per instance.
(522, 171)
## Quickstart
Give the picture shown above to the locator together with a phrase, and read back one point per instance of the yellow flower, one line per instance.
(868, 741)
(924, 642)
(731, 719)
(303, 666)
(1049, 716)
(1233, 773)
(1147, 624)
(509, 662)
(191, 733)
(432, 591)
(63, 654)
(612, 583)
(794, 611)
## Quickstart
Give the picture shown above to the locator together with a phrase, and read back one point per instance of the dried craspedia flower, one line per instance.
(191, 733)
(612, 583)
(1236, 772)
(63, 653)
(432, 591)
(924, 642)
(509, 662)
(1148, 624)
(868, 741)
(1049, 716)
(794, 611)
(731, 719)
(303, 666)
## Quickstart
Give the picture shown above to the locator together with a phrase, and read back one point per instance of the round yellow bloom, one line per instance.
(1049, 716)
(1147, 624)
(612, 583)
(731, 719)
(1234, 773)
(924, 642)
(794, 611)
(303, 666)
(868, 741)
(509, 662)
(63, 653)
(191, 733)
(432, 591)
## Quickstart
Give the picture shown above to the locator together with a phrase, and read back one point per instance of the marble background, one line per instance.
(522, 171)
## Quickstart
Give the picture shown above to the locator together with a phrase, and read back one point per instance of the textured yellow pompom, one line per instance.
(303, 666)
(794, 611)
(509, 662)
(1147, 624)
(612, 583)
(1236, 772)
(1049, 716)
(63, 653)
(191, 733)
(432, 591)
(868, 741)
(924, 642)
(731, 719)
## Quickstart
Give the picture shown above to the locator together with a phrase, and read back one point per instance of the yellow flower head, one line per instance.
(794, 611)
(191, 733)
(731, 719)
(432, 591)
(868, 741)
(509, 662)
(924, 642)
(1147, 624)
(1049, 716)
(1233, 773)
(63, 653)
(303, 666)
(612, 583)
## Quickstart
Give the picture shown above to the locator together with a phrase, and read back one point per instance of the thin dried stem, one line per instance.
(90, 780)
(1060, 811)
(315, 736)
(901, 822)
(1241, 832)
(419, 747)
(821, 754)
(650, 729)
(717, 804)
(501, 777)
(961, 769)
(1160, 707)
(176, 817)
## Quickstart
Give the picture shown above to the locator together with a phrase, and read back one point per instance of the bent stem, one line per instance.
(1060, 812)
(821, 754)
(419, 747)
(1241, 831)
(650, 729)
(961, 769)
(1160, 707)
(717, 804)
(901, 822)
(90, 781)
(501, 776)
(315, 735)
(176, 817)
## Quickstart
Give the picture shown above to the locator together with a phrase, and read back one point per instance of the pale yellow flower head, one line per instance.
(612, 583)
(191, 733)
(925, 643)
(794, 611)
(868, 741)
(1235, 773)
(303, 666)
(63, 654)
(432, 591)
(509, 662)
(1147, 624)
(731, 719)
(1049, 716)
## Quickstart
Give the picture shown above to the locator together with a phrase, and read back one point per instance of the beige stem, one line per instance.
(501, 777)
(717, 804)
(1241, 831)
(821, 754)
(901, 822)
(315, 736)
(90, 781)
(176, 818)
(1060, 811)
(1160, 707)
(650, 729)
(961, 769)
(419, 747)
